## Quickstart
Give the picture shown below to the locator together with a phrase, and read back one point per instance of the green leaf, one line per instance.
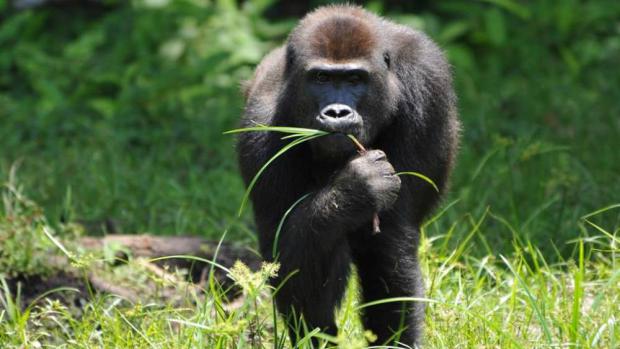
(512, 7)
(532, 301)
(453, 31)
(297, 131)
(302, 135)
(277, 236)
(495, 26)
(284, 149)
(421, 176)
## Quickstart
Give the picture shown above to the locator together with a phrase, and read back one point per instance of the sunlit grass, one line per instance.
(515, 300)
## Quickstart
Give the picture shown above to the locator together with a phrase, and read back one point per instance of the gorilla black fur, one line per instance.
(393, 88)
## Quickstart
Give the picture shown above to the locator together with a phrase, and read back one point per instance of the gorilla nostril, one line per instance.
(343, 113)
(339, 118)
(331, 113)
(337, 111)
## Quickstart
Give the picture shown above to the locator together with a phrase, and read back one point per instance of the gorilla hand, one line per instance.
(370, 178)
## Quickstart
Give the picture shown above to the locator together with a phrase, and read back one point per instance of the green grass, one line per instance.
(517, 300)
(125, 129)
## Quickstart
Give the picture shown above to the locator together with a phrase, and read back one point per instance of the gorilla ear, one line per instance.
(386, 59)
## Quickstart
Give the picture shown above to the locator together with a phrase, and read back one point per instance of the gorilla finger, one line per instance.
(377, 155)
(391, 181)
(396, 179)
(391, 176)
(385, 167)
(383, 184)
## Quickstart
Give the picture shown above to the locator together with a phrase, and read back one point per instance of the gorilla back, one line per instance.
(347, 71)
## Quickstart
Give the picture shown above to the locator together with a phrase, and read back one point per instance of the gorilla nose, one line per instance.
(339, 118)
(336, 111)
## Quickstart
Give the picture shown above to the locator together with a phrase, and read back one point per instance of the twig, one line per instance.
(376, 229)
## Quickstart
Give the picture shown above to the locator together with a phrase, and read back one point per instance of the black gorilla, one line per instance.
(348, 71)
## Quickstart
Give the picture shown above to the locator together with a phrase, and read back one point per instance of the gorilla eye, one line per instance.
(321, 77)
(386, 59)
(354, 78)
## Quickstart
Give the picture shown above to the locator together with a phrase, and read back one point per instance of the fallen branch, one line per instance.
(163, 282)
(149, 246)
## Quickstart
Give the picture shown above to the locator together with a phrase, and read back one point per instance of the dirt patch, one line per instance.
(32, 287)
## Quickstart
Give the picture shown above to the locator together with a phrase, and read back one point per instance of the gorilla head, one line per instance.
(340, 80)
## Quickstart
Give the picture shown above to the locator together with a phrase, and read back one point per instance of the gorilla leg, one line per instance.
(314, 293)
(388, 268)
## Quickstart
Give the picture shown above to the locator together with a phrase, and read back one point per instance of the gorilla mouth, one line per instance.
(333, 147)
(337, 146)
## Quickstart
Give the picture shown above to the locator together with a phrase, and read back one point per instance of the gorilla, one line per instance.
(348, 71)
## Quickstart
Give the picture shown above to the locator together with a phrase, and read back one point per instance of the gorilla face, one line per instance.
(340, 80)
(345, 98)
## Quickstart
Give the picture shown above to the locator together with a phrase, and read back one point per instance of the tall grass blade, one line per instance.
(299, 131)
(577, 297)
(501, 332)
(302, 135)
(532, 301)
(284, 149)
(421, 176)
(277, 236)
(610, 207)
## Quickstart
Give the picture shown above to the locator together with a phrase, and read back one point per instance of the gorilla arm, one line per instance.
(327, 209)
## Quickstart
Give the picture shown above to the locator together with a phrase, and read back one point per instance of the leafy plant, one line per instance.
(24, 246)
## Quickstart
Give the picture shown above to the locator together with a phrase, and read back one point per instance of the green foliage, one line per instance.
(118, 111)
(300, 135)
(124, 108)
(24, 245)
(538, 88)
(513, 301)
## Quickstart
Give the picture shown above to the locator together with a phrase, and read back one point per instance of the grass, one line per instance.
(129, 128)
(517, 300)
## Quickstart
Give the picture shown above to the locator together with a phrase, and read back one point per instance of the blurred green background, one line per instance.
(114, 110)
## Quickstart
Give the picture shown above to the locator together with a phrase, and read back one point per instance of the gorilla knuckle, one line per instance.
(396, 180)
(359, 166)
(387, 168)
(384, 190)
(377, 155)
